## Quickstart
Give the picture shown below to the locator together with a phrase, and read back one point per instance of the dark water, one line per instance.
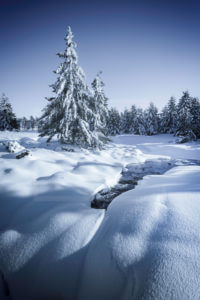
(131, 174)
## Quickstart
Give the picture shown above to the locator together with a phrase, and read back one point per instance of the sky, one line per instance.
(148, 50)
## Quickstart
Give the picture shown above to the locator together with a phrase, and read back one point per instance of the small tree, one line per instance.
(172, 115)
(98, 104)
(141, 122)
(184, 116)
(164, 120)
(134, 128)
(126, 121)
(113, 122)
(152, 120)
(195, 112)
(32, 122)
(8, 119)
(68, 113)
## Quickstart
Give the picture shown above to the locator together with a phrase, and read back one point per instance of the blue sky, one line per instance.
(148, 50)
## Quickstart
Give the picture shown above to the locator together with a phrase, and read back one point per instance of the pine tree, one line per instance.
(98, 104)
(8, 119)
(68, 113)
(195, 112)
(134, 128)
(184, 117)
(164, 120)
(172, 111)
(113, 122)
(141, 122)
(152, 120)
(168, 117)
(32, 122)
(126, 121)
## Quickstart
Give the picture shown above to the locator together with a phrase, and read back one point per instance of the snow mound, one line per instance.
(13, 146)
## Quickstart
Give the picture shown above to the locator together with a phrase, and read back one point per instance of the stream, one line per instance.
(131, 174)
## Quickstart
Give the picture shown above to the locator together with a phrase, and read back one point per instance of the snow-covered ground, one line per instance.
(53, 245)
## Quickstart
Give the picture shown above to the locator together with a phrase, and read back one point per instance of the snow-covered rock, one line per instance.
(22, 154)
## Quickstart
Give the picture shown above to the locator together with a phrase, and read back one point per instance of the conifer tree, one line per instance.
(134, 120)
(172, 115)
(169, 117)
(99, 107)
(32, 122)
(184, 116)
(152, 120)
(126, 121)
(195, 112)
(8, 119)
(141, 122)
(113, 122)
(68, 113)
(164, 120)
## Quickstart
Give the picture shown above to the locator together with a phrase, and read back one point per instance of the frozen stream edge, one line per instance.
(131, 174)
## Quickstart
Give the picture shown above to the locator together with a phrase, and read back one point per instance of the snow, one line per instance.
(162, 145)
(150, 249)
(54, 246)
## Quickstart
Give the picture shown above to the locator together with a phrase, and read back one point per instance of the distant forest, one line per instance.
(181, 119)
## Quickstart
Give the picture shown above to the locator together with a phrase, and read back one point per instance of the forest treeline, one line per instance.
(181, 118)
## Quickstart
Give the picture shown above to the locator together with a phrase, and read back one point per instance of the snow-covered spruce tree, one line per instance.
(184, 117)
(141, 122)
(68, 113)
(164, 120)
(8, 119)
(126, 121)
(113, 122)
(168, 117)
(134, 128)
(195, 112)
(172, 110)
(152, 120)
(98, 104)
(32, 122)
